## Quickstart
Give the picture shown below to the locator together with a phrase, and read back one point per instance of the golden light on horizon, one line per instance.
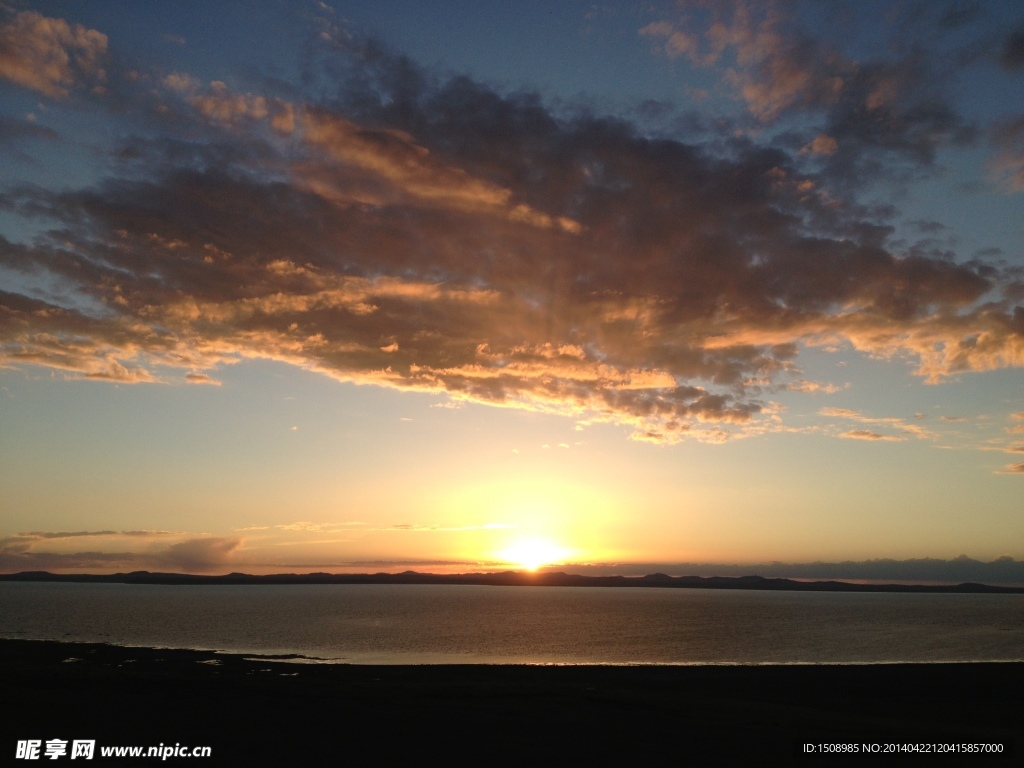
(532, 553)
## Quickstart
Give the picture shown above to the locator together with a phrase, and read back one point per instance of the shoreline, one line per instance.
(257, 710)
(452, 660)
(514, 579)
(298, 657)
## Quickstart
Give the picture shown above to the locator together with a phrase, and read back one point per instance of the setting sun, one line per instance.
(533, 553)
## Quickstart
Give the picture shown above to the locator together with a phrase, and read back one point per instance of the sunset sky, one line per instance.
(457, 285)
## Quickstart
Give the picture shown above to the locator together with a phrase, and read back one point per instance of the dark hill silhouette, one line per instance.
(513, 579)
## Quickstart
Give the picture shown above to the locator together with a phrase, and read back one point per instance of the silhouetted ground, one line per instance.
(254, 711)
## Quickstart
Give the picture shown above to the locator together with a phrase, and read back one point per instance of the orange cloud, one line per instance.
(822, 145)
(905, 430)
(49, 55)
(864, 434)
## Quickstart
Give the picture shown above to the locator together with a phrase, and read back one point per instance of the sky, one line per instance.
(453, 286)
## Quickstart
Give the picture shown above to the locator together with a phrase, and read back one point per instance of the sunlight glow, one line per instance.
(533, 553)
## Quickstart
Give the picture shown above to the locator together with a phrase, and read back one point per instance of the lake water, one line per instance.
(426, 624)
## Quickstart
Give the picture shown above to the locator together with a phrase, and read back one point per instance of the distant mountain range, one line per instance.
(511, 579)
(1003, 570)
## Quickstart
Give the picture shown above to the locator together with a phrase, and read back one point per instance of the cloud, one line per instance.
(362, 527)
(201, 378)
(877, 116)
(25, 541)
(307, 526)
(805, 386)
(822, 145)
(1007, 166)
(14, 131)
(23, 551)
(49, 55)
(78, 534)
(864, 434)
(1012, 55)
(199, 554)
(442, 528)
(1016, 429)
(843, 413)
(677, 42)
(1012, 469)
(436, 235)
(12, 561)
(774, 70)
(905, 429)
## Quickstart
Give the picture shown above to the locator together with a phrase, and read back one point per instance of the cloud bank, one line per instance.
(34, 551)
(391, 227)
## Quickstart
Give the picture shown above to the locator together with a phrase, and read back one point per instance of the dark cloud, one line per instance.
(13, 561)
(1012, 55)
(12, 131)
(960, 14)
(927, 226)
(1007, 136)
(423, 233)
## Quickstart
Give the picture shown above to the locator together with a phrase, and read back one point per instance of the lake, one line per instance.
(428, 624)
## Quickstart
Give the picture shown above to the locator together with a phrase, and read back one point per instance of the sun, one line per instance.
(533, 553)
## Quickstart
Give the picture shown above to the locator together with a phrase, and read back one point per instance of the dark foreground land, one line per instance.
(254, 711)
